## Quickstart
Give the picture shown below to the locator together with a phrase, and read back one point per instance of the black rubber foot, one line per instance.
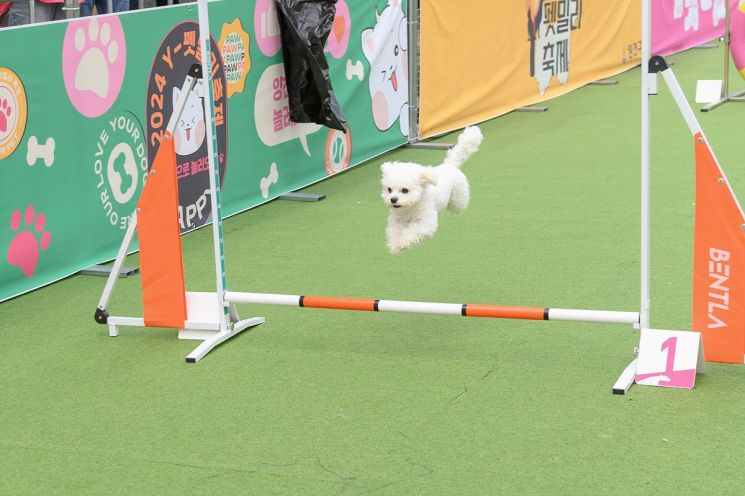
(101, 316)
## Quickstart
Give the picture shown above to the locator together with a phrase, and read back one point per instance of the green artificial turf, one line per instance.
(318, 402)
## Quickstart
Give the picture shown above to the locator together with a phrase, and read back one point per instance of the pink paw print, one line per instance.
(5, 112)
(24, 249)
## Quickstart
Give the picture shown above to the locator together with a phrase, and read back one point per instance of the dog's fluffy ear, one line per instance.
(427, 178)
(384, 167)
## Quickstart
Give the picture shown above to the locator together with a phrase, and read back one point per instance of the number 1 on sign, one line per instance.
(669, 345)
(660, 352)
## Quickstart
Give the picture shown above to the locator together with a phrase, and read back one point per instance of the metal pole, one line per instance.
(31, 11)
(648, 86)
(413, 42)
(109, 6)
(214, 168)
(414, 29)
(72, 9)
(645, 163)
(531, 108)
(727, 36)
(694, 126)
(108, 290)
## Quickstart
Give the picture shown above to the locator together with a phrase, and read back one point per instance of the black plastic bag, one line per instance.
(305, 26)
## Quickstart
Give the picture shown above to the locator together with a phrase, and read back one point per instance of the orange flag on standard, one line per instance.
(718, 262)
(159, 234)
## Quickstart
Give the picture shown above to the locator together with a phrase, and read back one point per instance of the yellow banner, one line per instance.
(483, 59)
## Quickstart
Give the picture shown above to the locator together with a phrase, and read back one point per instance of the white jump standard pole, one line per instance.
(228, 329)
(648, 87)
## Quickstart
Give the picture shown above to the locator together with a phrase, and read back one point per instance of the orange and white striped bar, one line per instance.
(462, 309)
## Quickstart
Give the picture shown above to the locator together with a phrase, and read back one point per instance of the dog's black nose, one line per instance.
(394, 200)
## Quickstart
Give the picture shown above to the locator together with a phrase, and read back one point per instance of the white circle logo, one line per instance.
(120, 165)
(122, 172)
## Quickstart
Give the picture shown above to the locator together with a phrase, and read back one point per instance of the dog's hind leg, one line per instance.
(460, 196)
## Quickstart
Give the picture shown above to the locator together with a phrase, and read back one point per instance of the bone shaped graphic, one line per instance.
(355, 69)
(37, 151)
(269, 180)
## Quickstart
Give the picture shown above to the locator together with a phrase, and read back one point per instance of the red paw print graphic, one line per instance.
(25, 247)
(5, 112)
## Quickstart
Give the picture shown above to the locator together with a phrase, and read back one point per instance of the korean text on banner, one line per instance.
(483, 59)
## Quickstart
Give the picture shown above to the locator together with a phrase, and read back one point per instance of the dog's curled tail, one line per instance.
(468, 142)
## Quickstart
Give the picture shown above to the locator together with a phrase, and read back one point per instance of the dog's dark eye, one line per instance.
(390, 190)
(405, 190)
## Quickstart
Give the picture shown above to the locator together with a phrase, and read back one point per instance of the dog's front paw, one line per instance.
(396, 248)
(401, 241)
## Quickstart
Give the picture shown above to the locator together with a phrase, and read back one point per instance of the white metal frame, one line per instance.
(189, 84)
(650, 67)
(209, 317)
(693, 125)
(226, 323)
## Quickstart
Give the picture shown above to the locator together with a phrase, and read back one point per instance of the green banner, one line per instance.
(84, 104)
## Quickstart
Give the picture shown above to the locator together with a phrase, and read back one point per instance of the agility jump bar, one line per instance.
(464, 310)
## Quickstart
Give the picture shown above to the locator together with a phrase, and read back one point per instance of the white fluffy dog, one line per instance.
(416, 194)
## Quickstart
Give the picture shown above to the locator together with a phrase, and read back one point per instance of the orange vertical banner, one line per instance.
(718, 262)
(159, 234)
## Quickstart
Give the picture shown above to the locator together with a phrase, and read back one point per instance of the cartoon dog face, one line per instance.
(385, 47)
(190, 130)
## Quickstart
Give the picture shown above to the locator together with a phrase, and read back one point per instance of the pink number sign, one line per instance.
(663, 349)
